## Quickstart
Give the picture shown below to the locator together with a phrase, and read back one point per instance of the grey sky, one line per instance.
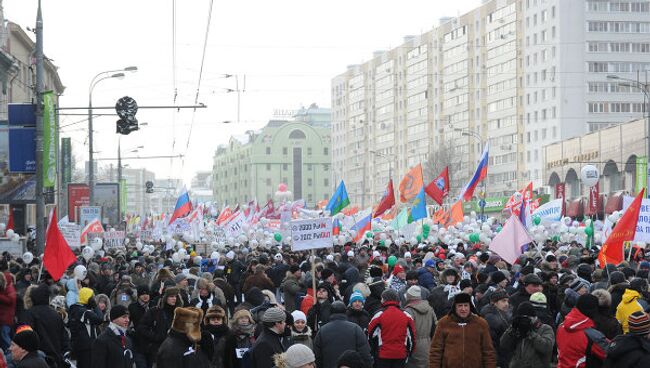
(288, 50)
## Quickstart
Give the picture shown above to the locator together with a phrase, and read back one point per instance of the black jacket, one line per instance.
(177, 351)
(266, 346)
(628, 351)
(498, 321)
(84, 326)
(318, 315)
(112, 351)
(358, 317)
(607, 323)
(232, 343)
(32, 360)
(47, 323)
(338, 336)
(153, 327)
(137, 311)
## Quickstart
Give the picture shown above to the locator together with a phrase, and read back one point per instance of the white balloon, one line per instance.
(388, 242)
(466, 219)
(138, 245)
(182, 252)
(383, 236)
(176, 257)
(97, 244)
(28, 257)
(179, 244)
(10, 233)
(15, 238)
(87, 253)
(126, 241)
(197, 260)
(589, 175)
(80, 271)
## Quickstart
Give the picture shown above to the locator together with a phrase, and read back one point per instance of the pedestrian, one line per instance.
(113, 348)
(531, 284)
(498, 316)
(530, 340)
(442, 295)
(577, 332)
(7, 307)
(214, 332)
(632, 301)
(392, 333)
(356, 312)
(337, 336)
(206, 295)
(152, 329)
(462, 338)
(319, 313)
(83, 322)
(604, 319)
(181, 348)
(633, 348)
(291, 287)
(300, 332)
(424, 320)
(270, 341)
(297, 356)
(24, 349)
(240, 339)
(351, 359)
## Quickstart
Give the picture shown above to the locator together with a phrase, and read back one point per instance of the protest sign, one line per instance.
(311, 233)
(113, 239)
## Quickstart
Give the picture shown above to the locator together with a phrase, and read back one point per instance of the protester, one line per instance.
(270, 341)
(531, 340)
(84, 320)
(577, 332)
(153, 327)
(633, 348)
(181, 346)
(113, 348)
(356, 313)
(498, 315)
(24, 349)
(424, 320)
(392, 333)
(300, 332)
(214, 332)
(297, 356)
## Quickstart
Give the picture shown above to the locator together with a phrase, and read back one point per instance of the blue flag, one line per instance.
(419, 208)
(339, 200)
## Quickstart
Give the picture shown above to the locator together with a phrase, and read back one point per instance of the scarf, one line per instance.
(239, 329)
(118, 330)
(451, 291)
(208, 302)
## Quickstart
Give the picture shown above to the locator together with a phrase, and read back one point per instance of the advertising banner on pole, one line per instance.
(78, 195)
(641, 178)
(311, 234)
(594, 199)
(66, 160)
(49, 140)
(123, 196)
(560, 192)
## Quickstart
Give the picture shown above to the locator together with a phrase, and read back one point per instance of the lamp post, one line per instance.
(645, 89)
(388, 159)
(96, 79)
(471, 133)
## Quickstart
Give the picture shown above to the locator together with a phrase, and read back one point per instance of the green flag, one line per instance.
(401, 219)
(49, 140)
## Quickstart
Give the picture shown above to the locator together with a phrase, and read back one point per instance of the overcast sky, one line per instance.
(288, 52)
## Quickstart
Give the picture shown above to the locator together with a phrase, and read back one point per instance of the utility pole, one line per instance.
(40, 199)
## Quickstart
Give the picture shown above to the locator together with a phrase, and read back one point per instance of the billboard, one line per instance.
(78, 196)
(107, 195)
(22, 150)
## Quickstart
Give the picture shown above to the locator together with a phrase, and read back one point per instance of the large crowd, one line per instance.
(407, 305)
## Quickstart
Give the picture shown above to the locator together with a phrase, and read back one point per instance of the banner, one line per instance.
(72, 233)
(123, 196)
(89, 213)
(643, 224)
(560, 192)
(641, 179)
(234, 227)
(78, 195)
(550, 212)
(113, 239)
(594, 199)
(49, 140)
(179, 226)
(311, 234)
(66, 160)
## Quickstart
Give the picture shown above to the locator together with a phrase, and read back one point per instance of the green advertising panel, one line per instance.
(49, 140)
(66, 163)
(641, 173)
(123, 194)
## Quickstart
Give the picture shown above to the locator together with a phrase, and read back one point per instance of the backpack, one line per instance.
(594, 336)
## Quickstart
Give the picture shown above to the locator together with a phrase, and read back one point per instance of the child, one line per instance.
(300, 332)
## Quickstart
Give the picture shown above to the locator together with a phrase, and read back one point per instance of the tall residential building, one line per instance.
(295, 152)
(517, 73)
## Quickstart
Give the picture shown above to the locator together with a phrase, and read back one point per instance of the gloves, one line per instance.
(523, 325)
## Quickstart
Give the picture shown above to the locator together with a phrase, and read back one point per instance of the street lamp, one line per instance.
(645, 89)
(96, 79)
(471, 133)
(388, 159)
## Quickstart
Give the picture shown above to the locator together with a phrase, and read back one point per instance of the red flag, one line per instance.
(58, 255)
(10, 222)
(612, 250)
(439, 187)
(514, 205)
(94, 226)
(387, 200)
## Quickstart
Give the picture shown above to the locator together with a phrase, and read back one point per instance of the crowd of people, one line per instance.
(412, 305)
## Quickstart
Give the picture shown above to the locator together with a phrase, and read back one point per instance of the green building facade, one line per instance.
(295, 152)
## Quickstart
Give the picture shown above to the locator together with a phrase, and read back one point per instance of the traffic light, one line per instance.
(149, 187)
(126, 108)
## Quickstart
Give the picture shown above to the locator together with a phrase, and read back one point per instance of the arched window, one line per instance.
(297, 134)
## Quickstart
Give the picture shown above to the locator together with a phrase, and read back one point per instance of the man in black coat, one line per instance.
(337, 336)
(24, 349)
(270, 341)
(180, 348)
(319, 314)
(113, 349)
(531, 284)
(153, 327)
(633, 348)
(48, 325)
(137, 310)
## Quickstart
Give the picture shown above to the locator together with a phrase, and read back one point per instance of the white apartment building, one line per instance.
(520, 74)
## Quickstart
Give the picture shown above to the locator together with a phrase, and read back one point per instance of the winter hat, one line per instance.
(526, 309)
(294, 268)
(617, 277)
(26, 338)
(465, 284)
(604, 297)
(254, 296)
(407, 255)
(350, 359)
(389, 295)
(533, 279)
(578, 284)
(143, 290)
(85, 294)
(498, 295)
(180, 277)
(298, 316)
(350, 254)
(497, 276)
(356, 296)
(639, 323)
(430, 263)
(462, 298)
(324, 274)
(188, 321)
(171, 291)
(639, 285)
(118, 311)
(644, 265)
(298, 355)
(376, 272)
(230, 255)
(538, 300)
(242, 313)
(273, 315)
(588, 305)
(397, 269)
(214, 312)
(414, 293)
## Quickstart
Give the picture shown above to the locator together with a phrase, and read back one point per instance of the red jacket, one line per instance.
(572, 341)
(7, 301)
(392, 332)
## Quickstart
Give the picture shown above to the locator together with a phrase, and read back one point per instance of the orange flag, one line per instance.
(612, 250)
(456, 213)
(411, 184)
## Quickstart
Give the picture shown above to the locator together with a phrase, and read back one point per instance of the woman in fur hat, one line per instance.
(240, 339)
(206, 295)
(181, 346)
(214, 332)
(156, 322)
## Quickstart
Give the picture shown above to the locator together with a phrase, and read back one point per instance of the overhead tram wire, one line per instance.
(174, 84)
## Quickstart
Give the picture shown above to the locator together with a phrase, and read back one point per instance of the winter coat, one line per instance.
(533, 351)
(236, 341)
(373, 301)
(628, 351)
(32, 360)
(423, 319)
(84, 326)
(617, 292)
(140, 279)
(425, 278)
(235, 271)
(392, 332)
(7, 299)
(572, 341)
(290, 288)
(277, 273)
(228, 291)
(498, 322)
(153, 327)
(72, 296)
(606, 323)
(358, 317)
(258, 279)
(213, 341)
(302, 337)
(424, 293)
(204, 303)
(629, 304)
(319, 315)
(266, 346)
(112, 351)
(336, 337)
(465, 343)
(177, 351)
(518, 297)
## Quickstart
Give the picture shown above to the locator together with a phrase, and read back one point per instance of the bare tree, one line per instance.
(444, 155)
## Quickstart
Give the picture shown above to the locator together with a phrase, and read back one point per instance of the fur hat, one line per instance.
(242, 313)
(214, 312)
(188, 321)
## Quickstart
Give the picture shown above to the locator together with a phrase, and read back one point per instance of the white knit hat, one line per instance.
(298, 355)
(298, 316)
(414, 292)
(350, 253)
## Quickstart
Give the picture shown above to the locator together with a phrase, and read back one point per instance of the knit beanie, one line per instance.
(538, 300)
(350, 359)
(617, 277)
(389, 295)
(118, 311)
(588, 305)
(26, 338)
(298, 316)
(414, 293)
(356, 296)
(497, 277)
(397, 269)
(274, 314)
(299, 355)
(526, 309)
(639, 323)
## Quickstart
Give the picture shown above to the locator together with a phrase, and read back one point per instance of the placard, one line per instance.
(643, 225)
(311, 234)
(234, 227)
(72, 233)
(113, 239)
(89, 213)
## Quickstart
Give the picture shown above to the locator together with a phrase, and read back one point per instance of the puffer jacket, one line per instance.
(628, 351)
(465, 343)
(425, 278)
(498, 321)
(392, 332)
(572, 341)
(533, 351)
(303, 337)
(359, 317)
(423, 319)
(629, 304)
(290, 288)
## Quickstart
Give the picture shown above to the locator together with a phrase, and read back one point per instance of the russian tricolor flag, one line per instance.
(362, 226)
(480, 174)
(183, 206)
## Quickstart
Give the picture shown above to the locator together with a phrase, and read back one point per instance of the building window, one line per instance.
(297, 134)
(268, 150)
(326, 167)
(268, 167)
(285, 167)
(268, 181)
(285, 151)
(326, 151)
(309, 151)
(310, 198)
(326, 182)
(310, 182)
(308, 167)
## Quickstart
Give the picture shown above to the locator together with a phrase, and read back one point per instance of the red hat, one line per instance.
(397, 269)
